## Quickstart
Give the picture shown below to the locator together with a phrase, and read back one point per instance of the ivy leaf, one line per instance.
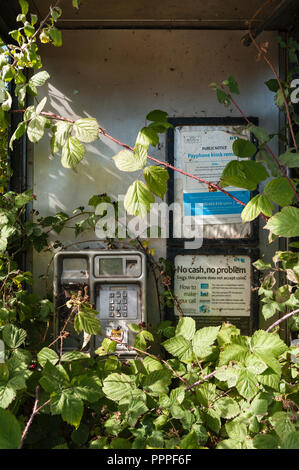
(258, 204)
(204, 339)
(156, 178)
(285, 223)
(72, 153)
(10, 430)
(86, 129)
(138, 199)
(244, 148)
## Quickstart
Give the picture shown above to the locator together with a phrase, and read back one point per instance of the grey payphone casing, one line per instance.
(115, 282)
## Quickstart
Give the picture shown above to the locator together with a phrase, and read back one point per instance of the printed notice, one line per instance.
(213, 285)
(204, 151)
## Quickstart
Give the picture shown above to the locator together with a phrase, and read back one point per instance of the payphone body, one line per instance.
(115, 283)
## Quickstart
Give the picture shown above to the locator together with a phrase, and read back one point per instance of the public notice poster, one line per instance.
(214, 288)
(204, 152)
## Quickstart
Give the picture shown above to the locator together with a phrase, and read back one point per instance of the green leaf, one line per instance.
(179, 347)
(285, 223)
(264, 156)
(157, 115)
(232, 85)
(247, 384)
(86, 129)
(243, 174)
(156, 178)
(71, 356)
(126, 160)
(68, 405)
(265, 441)
(12, 336)
(282, 424)
(20, 130)
(24, 6)
(36, 128)
(157, 381)
(259, 133)
(290, 158)
(189, 441)
(118, 386)
(54, 378)
(45, 355)
(87, 388)
(230, 444)
(237, 428)
(147, 136)
(272, 85)
(244, 148)
(257, 205)
(138, 199)
(186, 327)
(10, 430)
(204, 339)
(233, 352)
(76, 3)
(227, 407)
(39, 79)
(108, 346)
(291, 441)
(87, 321)
(279, 191)
(206, 394)
(55, 36)
(222, 97)
(29, 30)
(72, 153)
(267, 343)
(61, 131)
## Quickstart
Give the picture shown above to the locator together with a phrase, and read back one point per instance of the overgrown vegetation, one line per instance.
(210, 388)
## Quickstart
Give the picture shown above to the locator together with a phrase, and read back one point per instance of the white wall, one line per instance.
(118, 76)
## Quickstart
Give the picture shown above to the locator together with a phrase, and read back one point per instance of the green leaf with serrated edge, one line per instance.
(206, 394)
(10, 430)
(47, 354)
(243, 174)
(282, 424)
(259, 133)
(267, 343)
(138, 199)
(36, 128)
(156, 178)
(158, 381)
(247, 384)
(257, 205)
(225, 333)
(227, 374)
(86, 129)
(186, 327)
(290, 158)
(56, 36)
(72, 152)
(41, 105)
(227, 407)
(147, 136)
(87, 388)
(230, 444)
(68, 405)
(157, 115)
(61, 131)
(39, 79)
(264, 156)
(232, 85)
(255, 364)
(212, 420)
(280, 191)
(285, 223)
(118, 386)
(20, 130)
(237, 428)
(179, 347)
(261, 265)
(233, 352)
(189, 441)
(291, 441)
(270, 379)
(54, 378)
(272, 85)
(87, 321)
(244, 148)
(13, 336)
(74, 356)
(204, 339)
(265, 441)
(222, 97)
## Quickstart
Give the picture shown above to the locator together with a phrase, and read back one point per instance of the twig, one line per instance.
(34, 411)
(200, 381)
(285, 317)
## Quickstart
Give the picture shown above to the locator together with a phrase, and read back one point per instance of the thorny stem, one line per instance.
(201, 380)
(34, 411)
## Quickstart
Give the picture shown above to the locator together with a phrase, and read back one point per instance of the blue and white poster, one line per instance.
(204, 151)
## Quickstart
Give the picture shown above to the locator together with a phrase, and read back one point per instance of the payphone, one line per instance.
(115, 283)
